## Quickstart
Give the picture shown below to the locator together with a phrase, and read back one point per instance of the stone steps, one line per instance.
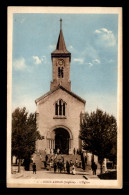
(72, 157)
(37, 160)
(40, 158)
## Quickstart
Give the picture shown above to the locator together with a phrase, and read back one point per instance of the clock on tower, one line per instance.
(61, 58)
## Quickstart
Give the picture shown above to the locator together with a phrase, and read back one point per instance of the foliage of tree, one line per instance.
(24, 134)
(99, 135)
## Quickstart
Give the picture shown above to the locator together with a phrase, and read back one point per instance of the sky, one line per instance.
(92, 40)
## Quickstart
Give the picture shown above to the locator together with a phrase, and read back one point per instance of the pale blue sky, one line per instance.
(92, 40)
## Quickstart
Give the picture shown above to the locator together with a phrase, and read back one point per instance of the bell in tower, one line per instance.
(61, 58)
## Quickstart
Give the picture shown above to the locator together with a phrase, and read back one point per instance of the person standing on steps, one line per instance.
(58, 165)
(68, 167)
(61, 165)
(76, 162)
(58, 150)
(85, 162)
(71, 162)
(64, 167)
(34, 168)
(73, 170)
(45, 162)
(55, 167)
(81, 156)
(62, 158)
(94, 167)
(50, 164)
(83, 165)
(46, 158)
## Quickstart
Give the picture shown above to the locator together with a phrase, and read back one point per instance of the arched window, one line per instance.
(60, 72)
(64, 109)
(56, 109)
(60, 108)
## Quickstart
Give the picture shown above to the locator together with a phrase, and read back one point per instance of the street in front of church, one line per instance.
(46, 174)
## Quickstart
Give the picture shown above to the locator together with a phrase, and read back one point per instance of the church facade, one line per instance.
(58, 113)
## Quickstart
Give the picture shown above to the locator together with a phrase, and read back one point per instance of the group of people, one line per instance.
(58, 151)
(76, 151)
(59, 165)
(66, 167)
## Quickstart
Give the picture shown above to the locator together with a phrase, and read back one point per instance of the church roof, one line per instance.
(61, 47)
(60, 87)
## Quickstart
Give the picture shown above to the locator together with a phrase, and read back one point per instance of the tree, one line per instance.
(99, 135)
(24, 134)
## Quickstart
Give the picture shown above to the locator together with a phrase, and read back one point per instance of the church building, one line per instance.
(58, 113)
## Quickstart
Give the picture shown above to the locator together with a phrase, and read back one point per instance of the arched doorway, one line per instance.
(62, 140)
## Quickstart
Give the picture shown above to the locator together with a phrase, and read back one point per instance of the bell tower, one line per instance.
(61, 59)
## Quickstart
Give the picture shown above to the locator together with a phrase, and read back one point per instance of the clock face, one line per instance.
(60, 62)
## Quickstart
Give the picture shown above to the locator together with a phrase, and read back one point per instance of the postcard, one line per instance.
(64, 97)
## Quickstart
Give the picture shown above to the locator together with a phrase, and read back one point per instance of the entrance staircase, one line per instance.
(38, 161)
(72, 157)
(39, 158)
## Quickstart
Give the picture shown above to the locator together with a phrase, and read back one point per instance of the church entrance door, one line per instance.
(62, 140)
